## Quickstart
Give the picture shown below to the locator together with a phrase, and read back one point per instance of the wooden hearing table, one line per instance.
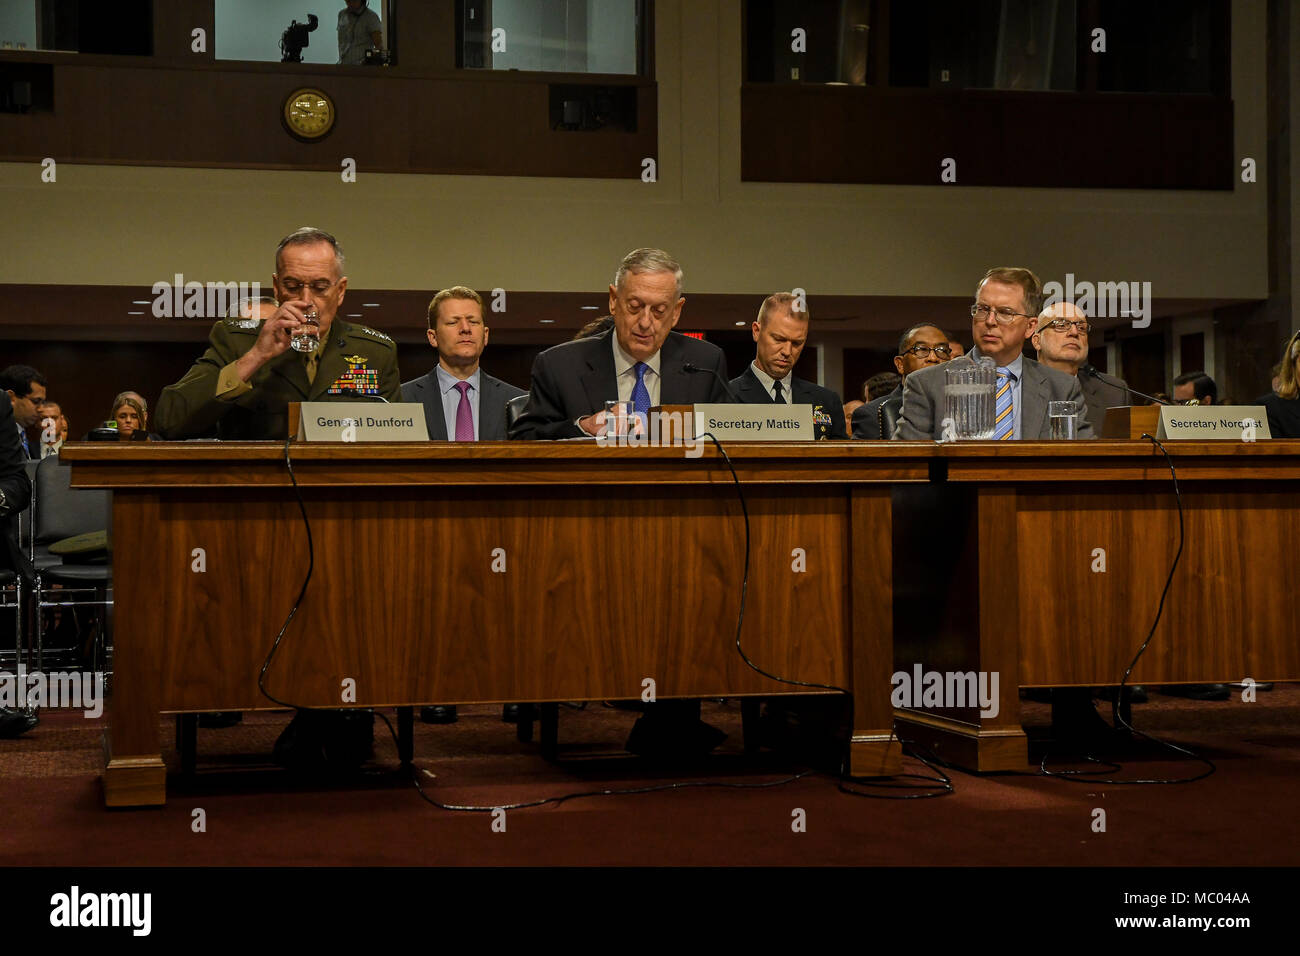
(498, 571)
(494, 571)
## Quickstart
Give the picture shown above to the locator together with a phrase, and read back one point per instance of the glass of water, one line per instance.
(1063, 419)
(968, 399)
(307, 336)
(618, 419)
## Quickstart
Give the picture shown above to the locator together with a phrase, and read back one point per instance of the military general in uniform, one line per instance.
(241, 387)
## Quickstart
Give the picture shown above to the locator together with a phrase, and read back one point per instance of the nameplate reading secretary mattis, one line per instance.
(359, 421)
(755, 422)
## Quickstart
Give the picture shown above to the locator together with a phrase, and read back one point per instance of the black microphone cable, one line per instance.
(942, 780)
(1073, 775)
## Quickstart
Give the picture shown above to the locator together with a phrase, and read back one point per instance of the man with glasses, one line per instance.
(639, 359)
(919, 347)
(1061, 340)
(241, 387)
(1195, 388)
(1004, 315)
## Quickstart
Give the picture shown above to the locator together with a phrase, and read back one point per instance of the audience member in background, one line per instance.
(958, 350)
(1283, 403)
(1003, 315)
(780, 334)
(15, 493)
(920, 346)
(881, 384)
(1061, 340)
(54, 428)
(595, 327)
(26, 388)
(1195, 388)
(851, 407)
(130, 415)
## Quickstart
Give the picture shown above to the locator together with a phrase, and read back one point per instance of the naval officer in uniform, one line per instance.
(241, 387)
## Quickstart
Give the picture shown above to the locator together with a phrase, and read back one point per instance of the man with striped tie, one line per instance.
(1003, 317)
(26, 388)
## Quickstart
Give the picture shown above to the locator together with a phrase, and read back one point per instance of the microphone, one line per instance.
(353, 393)
(714, 372)
(1091, 372)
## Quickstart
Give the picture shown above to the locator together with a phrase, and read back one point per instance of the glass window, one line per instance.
(558, 36)
(122, 27)
(303, 31)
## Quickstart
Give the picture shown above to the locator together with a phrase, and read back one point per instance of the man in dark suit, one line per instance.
(920, 346)
(1005, 312)
(461, 401)
(15, 495)
(640, 360)
(1061, 340)
(26, 390)
(780, 333)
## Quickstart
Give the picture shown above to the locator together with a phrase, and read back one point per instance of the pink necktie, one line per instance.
(464, 414)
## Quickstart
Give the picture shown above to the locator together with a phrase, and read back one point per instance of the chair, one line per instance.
(59, 511)
(889, 413)
(515, 408)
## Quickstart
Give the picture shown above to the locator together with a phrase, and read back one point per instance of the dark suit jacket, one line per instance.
(18, 491)
(866, 420)
(492, 397)
(1283, 415)
(923, 402)
(1103, 393)
(575, 379)
(751, 392)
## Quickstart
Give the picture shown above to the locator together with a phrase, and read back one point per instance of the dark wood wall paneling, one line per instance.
(186, 109)
(836, 134)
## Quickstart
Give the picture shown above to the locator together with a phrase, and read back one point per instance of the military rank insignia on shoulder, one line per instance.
(373, 333)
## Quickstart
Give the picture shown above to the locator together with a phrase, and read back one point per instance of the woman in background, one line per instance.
(131, 415)
(1283, 403)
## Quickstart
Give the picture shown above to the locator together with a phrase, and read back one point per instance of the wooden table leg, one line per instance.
(957, 611)
(134, 772)
(874, 751)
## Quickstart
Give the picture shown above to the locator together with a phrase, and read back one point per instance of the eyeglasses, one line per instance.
(1063, 325)
(1188, 401)
(319, 287)
(1004, 315)
(920, 351)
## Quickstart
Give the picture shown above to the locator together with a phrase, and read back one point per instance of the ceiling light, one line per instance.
(589, 308)
(135, 313)
(547, 321)
(370, 305)
(140, 301)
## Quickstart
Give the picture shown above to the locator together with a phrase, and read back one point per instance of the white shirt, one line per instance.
(625, 373)
(769, 383)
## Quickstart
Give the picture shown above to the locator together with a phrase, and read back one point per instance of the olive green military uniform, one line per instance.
(211, 400)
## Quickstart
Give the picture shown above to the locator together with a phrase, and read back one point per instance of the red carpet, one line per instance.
(1244, 814)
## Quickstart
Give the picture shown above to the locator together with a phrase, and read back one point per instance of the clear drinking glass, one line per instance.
(1063, 419)
(307, 337)
(968, 399)
(618, 418)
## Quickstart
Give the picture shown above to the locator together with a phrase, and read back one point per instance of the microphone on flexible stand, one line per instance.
(714, 372)
(1091, 372)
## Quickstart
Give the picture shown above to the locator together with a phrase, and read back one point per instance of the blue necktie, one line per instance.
(641, 394)
(1004, 423)
(22, 437)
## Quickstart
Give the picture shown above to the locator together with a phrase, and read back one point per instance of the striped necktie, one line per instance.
(1004, 423)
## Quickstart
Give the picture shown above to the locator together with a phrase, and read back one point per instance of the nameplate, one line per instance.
(1214, 422)
(362, 421)
(755, 422)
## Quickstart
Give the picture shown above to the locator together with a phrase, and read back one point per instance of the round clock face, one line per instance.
(309, 113)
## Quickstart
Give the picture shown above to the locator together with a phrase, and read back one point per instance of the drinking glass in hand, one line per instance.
(306, 338)
(1063, 419)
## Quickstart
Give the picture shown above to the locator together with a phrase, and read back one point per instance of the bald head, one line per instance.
(1064, 348)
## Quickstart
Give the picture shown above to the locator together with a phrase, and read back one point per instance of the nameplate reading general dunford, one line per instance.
(755, 422)
(363, 421)
(1224, 422)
